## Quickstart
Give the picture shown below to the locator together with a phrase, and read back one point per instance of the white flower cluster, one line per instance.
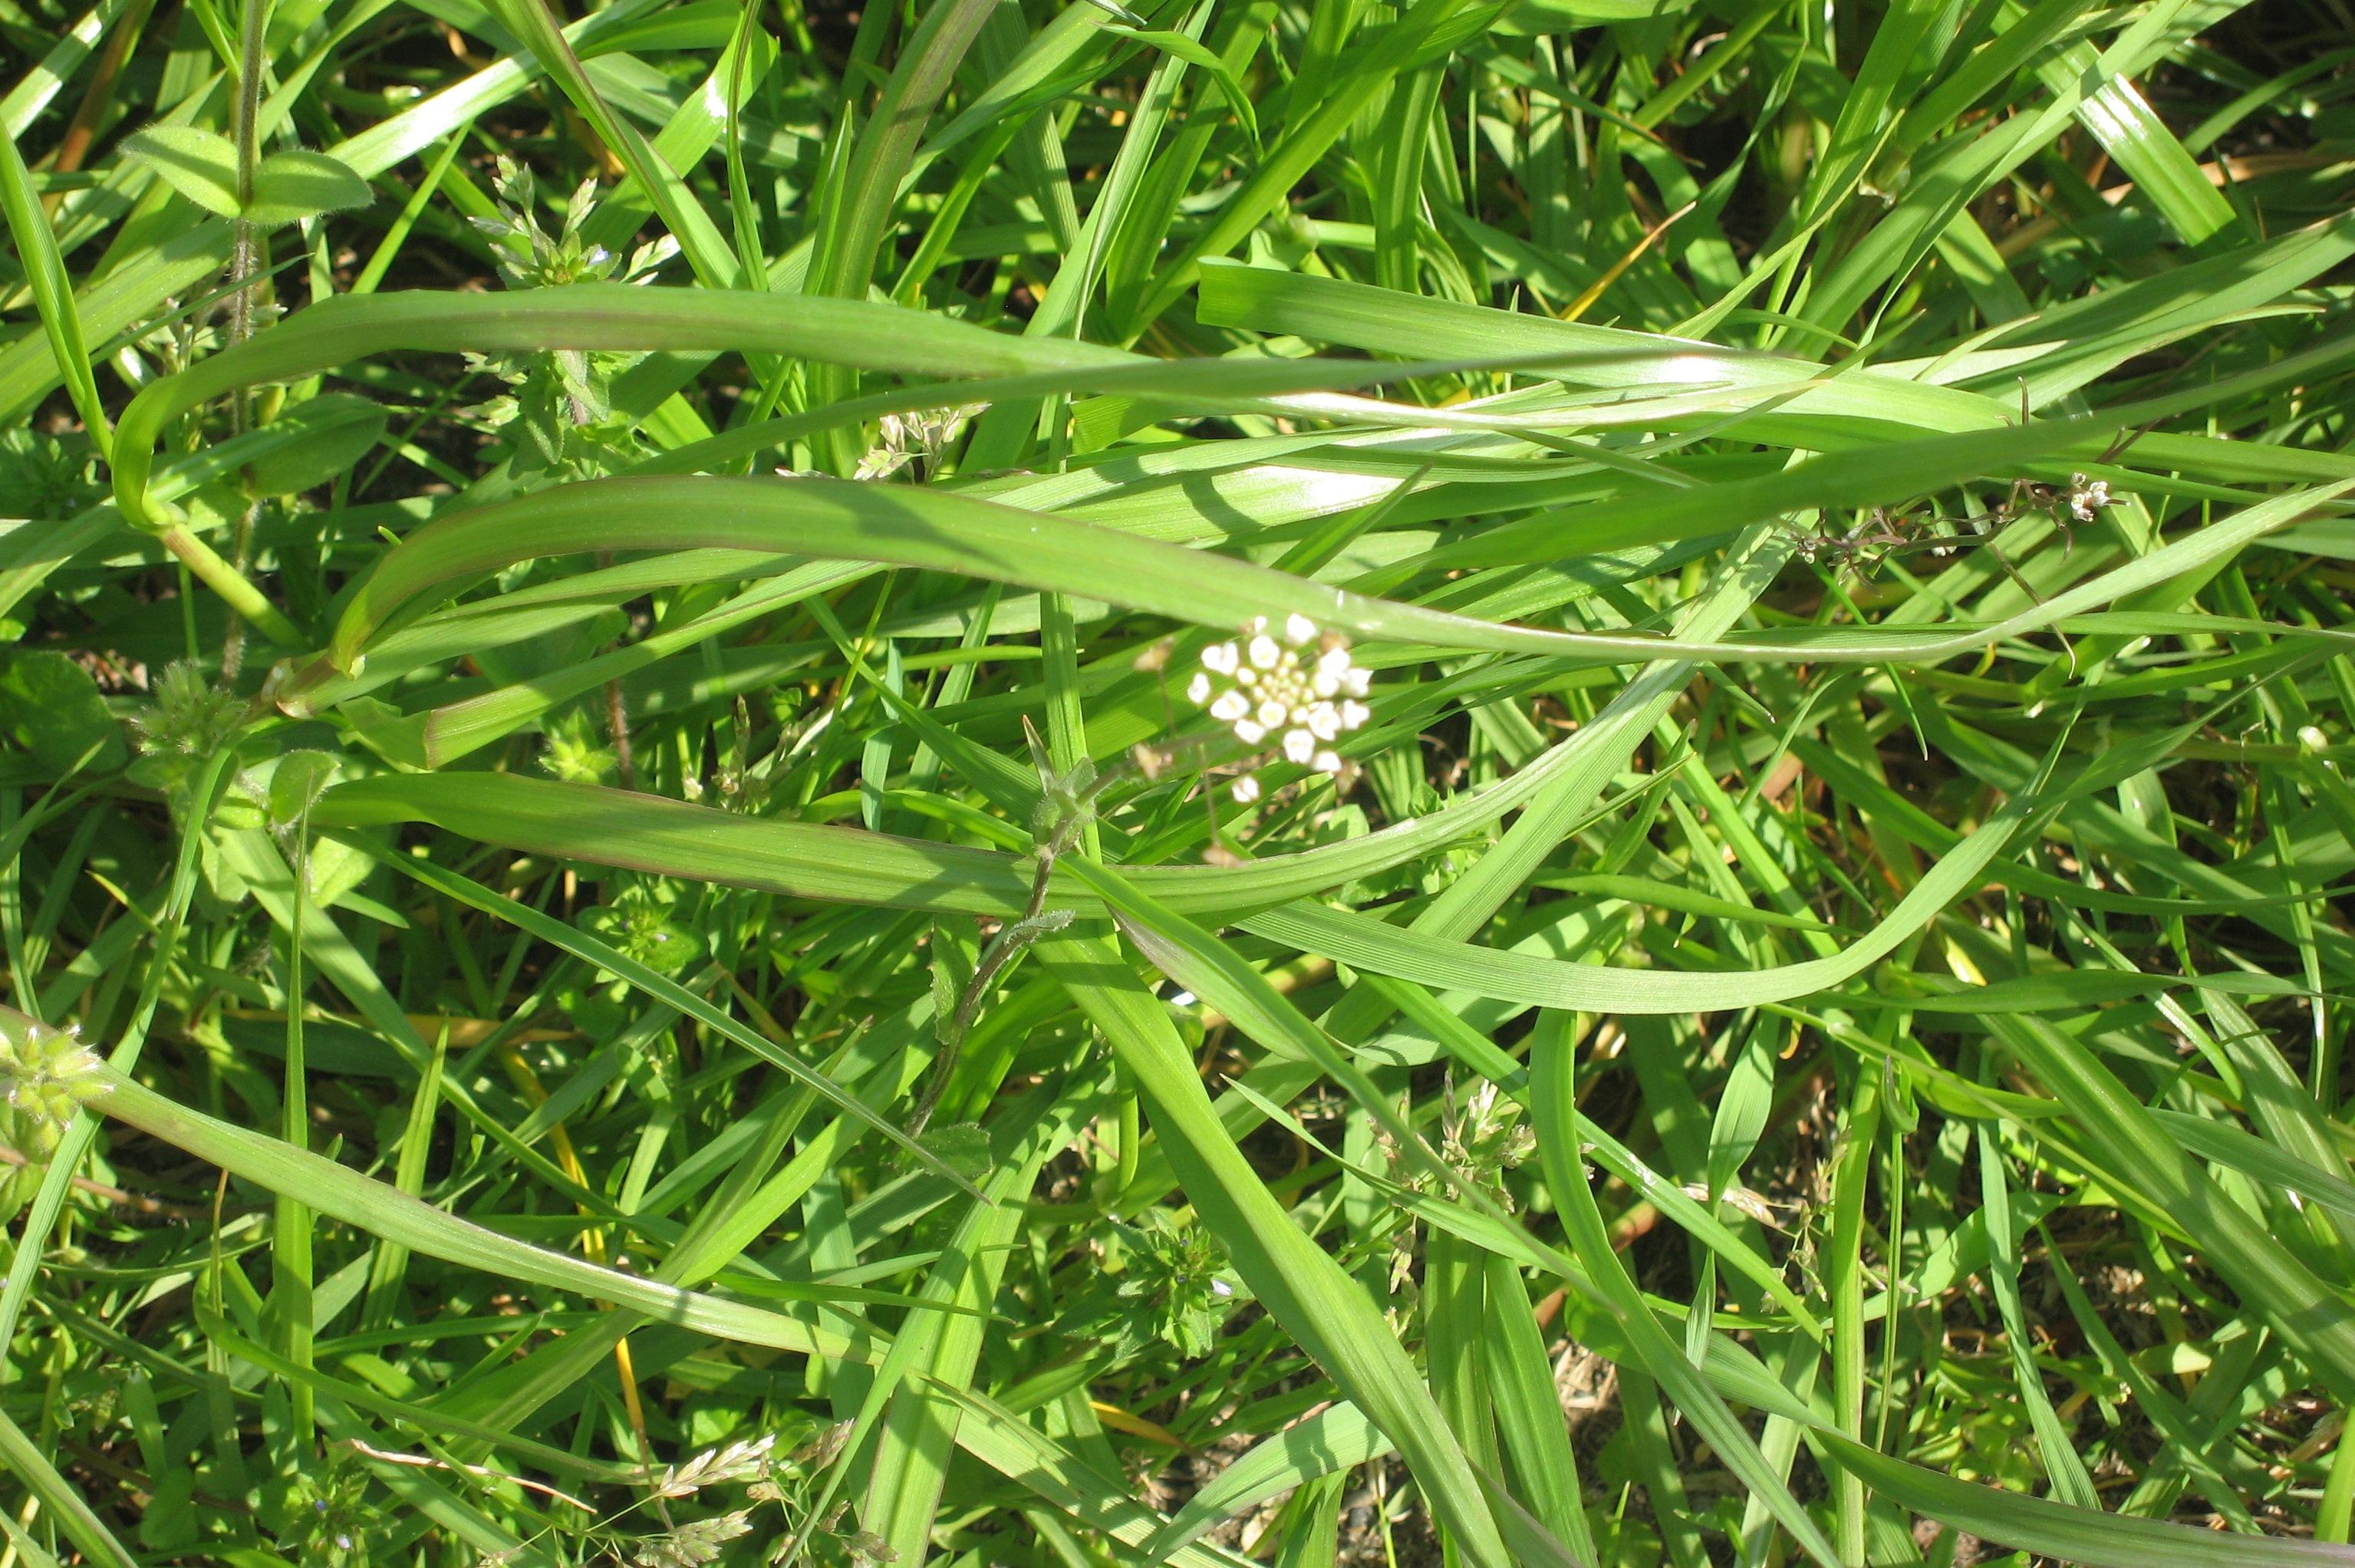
(1302, 688)
(2086, 500)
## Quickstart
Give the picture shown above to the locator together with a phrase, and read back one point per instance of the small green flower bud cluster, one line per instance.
(48, 1075)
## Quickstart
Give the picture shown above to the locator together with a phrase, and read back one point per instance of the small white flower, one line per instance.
(1327, 761)
(1245, 789)
(1249, 733)
(1219, 658)
(1354, 714)
(1299, 628)
(1230, 707)
(1197, 691)
(1272, 713)
(1324, 721)
(1264, 651)
(1299, 745)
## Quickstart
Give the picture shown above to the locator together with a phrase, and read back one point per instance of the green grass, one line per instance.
(639, 929)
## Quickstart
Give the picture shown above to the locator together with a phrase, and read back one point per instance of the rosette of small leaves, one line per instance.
(636, 922)
(574, 749)
(561, 417)
(47, 478)
(1174, 1290)
(528, 257)
(47, 1075)
(326, 1520)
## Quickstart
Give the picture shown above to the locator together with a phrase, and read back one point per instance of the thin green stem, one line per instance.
(241, 595)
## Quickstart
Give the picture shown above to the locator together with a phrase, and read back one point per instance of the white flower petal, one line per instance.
(1263, 650)
(1272, 714)
(1245, 789)
(1327, 762)
(1354, 683)
(1299, 628)
(1249, 734)
(1299, 745)
(1324, 721)
(1354, 713)
(1219, 658)
(1335, 661)
(1197, 691)
(1326, 683)
(1230, 707)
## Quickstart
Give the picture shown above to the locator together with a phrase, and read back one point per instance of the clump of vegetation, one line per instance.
(1503, 782)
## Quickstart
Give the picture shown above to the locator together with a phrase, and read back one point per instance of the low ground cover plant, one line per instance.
(1487, 782)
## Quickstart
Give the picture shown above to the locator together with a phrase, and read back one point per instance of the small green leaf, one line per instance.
(299, 183)
(1194, 52)
(316, 440)
(200, 165)
(300, 778)
(962, 1146)
(51, 707)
